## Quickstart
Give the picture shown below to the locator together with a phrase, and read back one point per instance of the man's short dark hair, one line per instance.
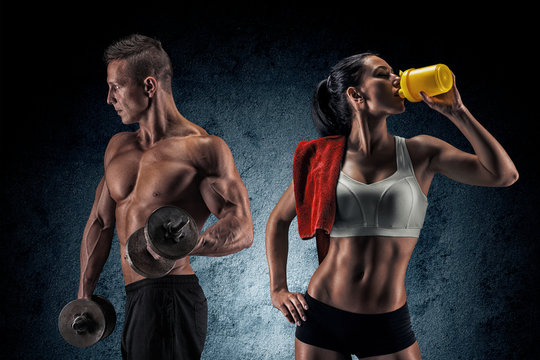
(145, 57)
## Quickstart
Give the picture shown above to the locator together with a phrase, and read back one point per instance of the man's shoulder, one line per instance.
(122, 138)
(198, 142)
(118, 142)
(206, 152)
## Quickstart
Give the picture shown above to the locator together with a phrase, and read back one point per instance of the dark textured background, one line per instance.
(247, 75)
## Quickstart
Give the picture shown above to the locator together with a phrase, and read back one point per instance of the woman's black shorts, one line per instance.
(363, 335)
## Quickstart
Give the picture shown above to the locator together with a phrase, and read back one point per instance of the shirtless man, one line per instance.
(168, 161)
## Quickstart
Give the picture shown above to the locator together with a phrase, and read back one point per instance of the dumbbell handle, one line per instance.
(174, 232)
(81, 323)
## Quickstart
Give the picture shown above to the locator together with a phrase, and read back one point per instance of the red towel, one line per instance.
(316, 167)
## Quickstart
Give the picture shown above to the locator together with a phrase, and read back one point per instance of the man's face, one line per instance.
(128, 98)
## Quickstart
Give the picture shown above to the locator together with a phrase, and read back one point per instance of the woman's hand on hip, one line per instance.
(291, 305)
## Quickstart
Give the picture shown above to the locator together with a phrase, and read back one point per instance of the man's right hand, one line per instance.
(84, 296)
(291, 305)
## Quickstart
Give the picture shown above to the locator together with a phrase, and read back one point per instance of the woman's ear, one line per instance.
(354, 95)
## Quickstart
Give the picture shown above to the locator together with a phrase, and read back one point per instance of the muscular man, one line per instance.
(167, 161)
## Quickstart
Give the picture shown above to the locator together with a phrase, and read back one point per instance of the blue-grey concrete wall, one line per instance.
(247, 77)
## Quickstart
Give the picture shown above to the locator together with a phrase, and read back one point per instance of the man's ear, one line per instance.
(150, 86)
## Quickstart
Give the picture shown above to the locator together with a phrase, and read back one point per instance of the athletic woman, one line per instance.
(362, 192)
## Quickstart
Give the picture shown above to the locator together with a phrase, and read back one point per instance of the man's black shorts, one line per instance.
(166, 318)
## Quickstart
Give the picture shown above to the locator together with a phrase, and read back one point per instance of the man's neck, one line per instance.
(161, 121)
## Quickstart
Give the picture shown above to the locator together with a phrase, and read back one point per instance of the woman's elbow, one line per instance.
(508, 179)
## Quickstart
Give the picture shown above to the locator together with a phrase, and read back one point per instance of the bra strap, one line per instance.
(404, 160)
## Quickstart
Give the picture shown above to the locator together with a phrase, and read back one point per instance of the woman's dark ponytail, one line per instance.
(325, 120)
(330, 110)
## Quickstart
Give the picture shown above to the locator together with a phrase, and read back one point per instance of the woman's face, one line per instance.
(379, 88)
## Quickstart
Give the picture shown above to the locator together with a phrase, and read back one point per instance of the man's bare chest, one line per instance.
(150, 176)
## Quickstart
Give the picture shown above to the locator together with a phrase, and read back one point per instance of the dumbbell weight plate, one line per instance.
(109, 312)
(102, 320)
(155, 232)
(142, 261)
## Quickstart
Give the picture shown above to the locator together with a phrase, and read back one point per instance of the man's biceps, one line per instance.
(105, 206)
(210, 186)
(229, 186)
(213, 192)
(223, 193)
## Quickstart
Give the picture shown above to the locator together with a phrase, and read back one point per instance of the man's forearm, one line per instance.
(95, 249)
(228, 235)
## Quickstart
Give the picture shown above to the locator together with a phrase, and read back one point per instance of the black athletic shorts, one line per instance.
(166, 318)
(363, 335)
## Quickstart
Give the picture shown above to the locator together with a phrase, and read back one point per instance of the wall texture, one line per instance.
(248, 76)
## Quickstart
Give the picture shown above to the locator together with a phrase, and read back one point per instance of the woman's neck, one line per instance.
(367, 134)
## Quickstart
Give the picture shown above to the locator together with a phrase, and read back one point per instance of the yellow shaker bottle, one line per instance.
(433, 80)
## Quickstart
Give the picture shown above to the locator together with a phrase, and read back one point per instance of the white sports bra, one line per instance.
(395, 206)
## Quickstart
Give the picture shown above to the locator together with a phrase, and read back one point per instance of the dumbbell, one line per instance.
(169, 234)
(84, 322)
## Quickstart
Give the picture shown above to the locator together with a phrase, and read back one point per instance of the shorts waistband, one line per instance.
(163, 281)
(404, 310)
